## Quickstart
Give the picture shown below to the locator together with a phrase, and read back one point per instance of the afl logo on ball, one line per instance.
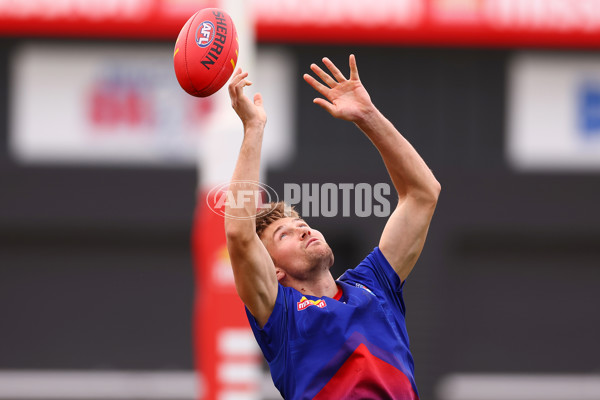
(205, 33)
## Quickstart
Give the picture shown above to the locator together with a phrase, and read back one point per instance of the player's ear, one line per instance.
(280, 274)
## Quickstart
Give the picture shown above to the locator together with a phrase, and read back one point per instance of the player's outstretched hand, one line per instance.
(252, 113)
(344, 98)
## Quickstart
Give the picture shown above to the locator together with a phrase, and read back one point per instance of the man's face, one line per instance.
(296, 249)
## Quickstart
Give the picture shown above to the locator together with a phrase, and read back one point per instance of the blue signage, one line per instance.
(589, 108)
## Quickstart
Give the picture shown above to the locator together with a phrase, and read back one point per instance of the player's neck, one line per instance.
(322, 286)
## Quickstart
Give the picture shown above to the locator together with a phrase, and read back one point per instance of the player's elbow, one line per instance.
(435, 190)
(428, 194)
(432, 190)
(239, 233)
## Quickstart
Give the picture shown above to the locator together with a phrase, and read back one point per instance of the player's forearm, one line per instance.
(239, 221)
(409, 173)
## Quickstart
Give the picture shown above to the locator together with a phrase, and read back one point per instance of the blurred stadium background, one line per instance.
(98, 178)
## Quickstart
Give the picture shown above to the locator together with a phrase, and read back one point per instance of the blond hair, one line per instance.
(272, 212)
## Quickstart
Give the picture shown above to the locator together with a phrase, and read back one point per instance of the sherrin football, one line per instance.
(206, 52)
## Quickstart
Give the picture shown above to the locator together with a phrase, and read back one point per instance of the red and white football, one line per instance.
(206, 52)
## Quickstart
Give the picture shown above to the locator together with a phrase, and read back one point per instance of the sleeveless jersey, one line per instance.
(352, 348)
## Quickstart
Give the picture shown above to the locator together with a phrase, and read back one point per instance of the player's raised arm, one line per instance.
(404, 234)
(253, 269)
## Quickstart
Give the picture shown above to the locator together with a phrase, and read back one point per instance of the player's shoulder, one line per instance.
(373, 271)
(372, 261)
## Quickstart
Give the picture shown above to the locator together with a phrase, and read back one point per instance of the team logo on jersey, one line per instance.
(360, 285)
(305, 303)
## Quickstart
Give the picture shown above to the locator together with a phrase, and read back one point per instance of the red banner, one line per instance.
(554, 23)
(512, 23)
(225, 352)
(131, 19)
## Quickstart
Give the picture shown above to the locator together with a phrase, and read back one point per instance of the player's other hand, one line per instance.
(345, 99)
(251, 112)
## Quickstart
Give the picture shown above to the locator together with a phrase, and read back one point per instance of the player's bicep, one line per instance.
(404, 234)
(255, 278)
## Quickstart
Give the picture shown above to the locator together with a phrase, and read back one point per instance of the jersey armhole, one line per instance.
(270, 320)
(388, 270)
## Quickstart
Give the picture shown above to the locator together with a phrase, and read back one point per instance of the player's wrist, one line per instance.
(368, 117)
(254, 126)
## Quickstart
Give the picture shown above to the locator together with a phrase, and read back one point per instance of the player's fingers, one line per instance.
(239, 92)
(238, 75)
(239, 87)
(258, 100)
(231, 90)
(324, 104)
(318, 86)
(239, 78)
(235, 81)
(325, 77)
(337, 74)
(353, 68)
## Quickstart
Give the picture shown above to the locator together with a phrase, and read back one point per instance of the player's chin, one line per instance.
(323, 252)
(330, 258)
